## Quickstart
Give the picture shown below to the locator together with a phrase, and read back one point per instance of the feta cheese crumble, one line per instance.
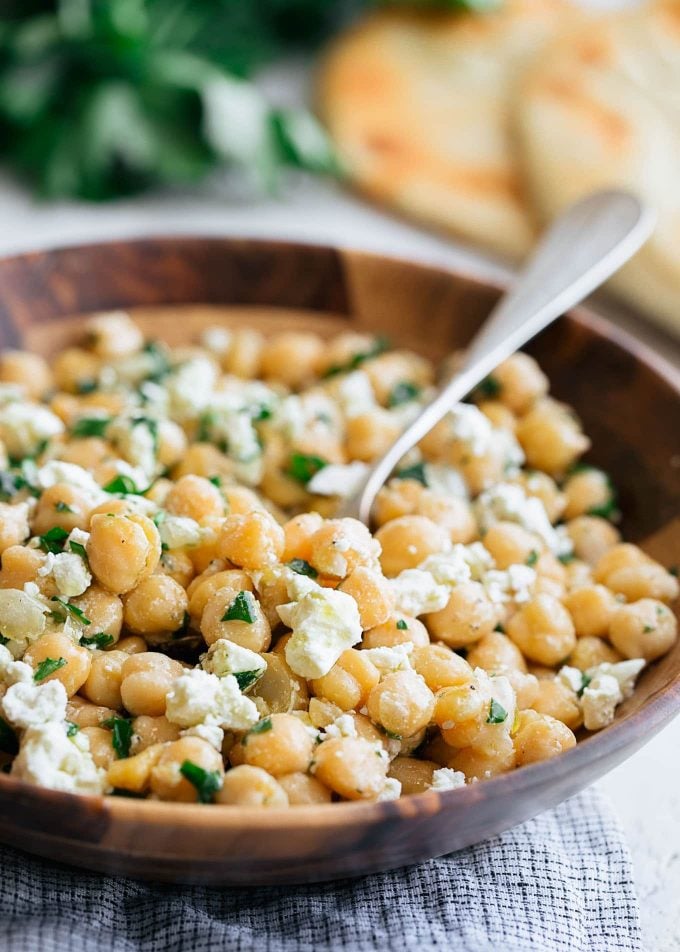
(390, 659)
(226, 657)
(415, 592)
(447, 779)
(325, 623)
(198, 697)
(49, 757)
(338, 479)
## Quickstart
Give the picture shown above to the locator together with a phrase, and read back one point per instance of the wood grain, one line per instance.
(628, 398)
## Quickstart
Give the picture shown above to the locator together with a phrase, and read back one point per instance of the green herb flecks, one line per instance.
(121, 735)
(53, 540)
(246, 679)
(71, 728)
(123, 485)
(78, 549)
(302, 466)
(401, 625)
(415, 472)
(532, 558)
(302, 567)
(90, 426)
(63, 507)
(206, 782)
(585, 681)
(73, 610)
(497, 713)
(379, 346)
(403, 392)
(47, 667)
(100, 640)
(241, 609)
(260, 728)
(490, 387)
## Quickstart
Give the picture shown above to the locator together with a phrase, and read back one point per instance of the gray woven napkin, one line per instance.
(560, 883)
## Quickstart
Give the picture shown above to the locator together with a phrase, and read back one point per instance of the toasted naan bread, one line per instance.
(602, 107)
(419, 108)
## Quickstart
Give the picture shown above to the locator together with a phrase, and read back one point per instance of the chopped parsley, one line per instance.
(499, 628)
(63, 507)
(151, 425)
(607, 510)
(124, 485)
(71, 728)
(646, 630)
(490, 386)
(302, 466)
(71, 609)
(246, 679)
(497, 713)
(532, 558)
(585, 681)
(90, 426)
(10, 485)
(47, 667)
(391, 735)
(401, 625)
(78, 548)
(3, 640)
(87, 385)
(160, 365)
(8, 739)
(416, 472)
(121, 730)
(379, 346)
(674, 570)
(260, 728)
(566, 557)
(216, 481)
(403, 392)
(241, 609)
(100, 640)
(206, 782)
(53, 540)
(302, 567)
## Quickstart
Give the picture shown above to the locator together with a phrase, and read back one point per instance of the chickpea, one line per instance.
(146, 679)
(122, 550)
(104, 680)
(591, 537)
(216, 623)
(75, 369)
(408, 541)
(301, 789)
(204, 586)
(398, 497)
(511, 544)
(559, 701)
(147, 731)
(246, 786)
(30, 371)
(244, 354)
(372, 594)
(55, 645)
(402, 703)
(415, 776)
(440, 667)
(178, 566)
(19, 565)
(461, 712)
(543, 487)
(370, 434)
(551, 437)
(577, 574)
(591, 608)
(646, 629)
(14, 528)
(341, 545)
(291, 357)
(203, 459)
(298, 533)
(520, 381)
(586, 491)
(591, 651)
(279, 689)
(131, 644)
(525, 686)
(155, 606)
(646, 579)
(349, 682)
(342, 350)
(539, 737)
(498, 414)
(543, 630)
(104, 610)
(468, 616)
(81, 712)
(387, 371)
(134, 773)
(101, 748)
(286, 747)
(478, 763)
(168, 783)
(194, 497)
(61, 505)
(251, 541)
(497, 654)
(397, 630)
(351, 767)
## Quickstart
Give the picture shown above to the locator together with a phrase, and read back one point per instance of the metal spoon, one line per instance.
(581, 249)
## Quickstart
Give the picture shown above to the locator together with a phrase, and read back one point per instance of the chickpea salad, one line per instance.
(182, 618)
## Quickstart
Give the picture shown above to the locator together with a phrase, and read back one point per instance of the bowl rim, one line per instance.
(658, 710)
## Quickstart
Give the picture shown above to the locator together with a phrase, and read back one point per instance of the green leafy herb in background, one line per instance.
(100, 98)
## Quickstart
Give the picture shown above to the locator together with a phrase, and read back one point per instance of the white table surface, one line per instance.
(646, 789)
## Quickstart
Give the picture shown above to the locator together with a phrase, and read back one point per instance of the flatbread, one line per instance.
(419, 108)
(602, 107)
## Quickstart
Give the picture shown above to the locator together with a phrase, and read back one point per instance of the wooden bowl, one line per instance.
(628, 398)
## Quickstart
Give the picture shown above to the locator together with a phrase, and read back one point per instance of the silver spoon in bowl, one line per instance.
(580, 250)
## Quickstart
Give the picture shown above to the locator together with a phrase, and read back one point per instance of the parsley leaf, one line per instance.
(532, 558)
(90, 426)
(47, 667)
(78, 548)
(53, 540)
(260, 728)
(63, 507)
(100, 640)
(302, 567)
(246, 678)
(206, 782)
(124, 485)
(3, 640)
(71, 728)
(10, 485)
(121, 728)
(71, 609)
(490, 386)
(378, 347)
(403, 392)
(302, 466)
(585, 681)
(241, 609)
(497, 713)
(401, 625)
(416, 472)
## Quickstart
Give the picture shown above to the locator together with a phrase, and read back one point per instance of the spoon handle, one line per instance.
(585, 246)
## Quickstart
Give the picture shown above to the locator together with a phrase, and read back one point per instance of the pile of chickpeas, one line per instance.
(355, 732)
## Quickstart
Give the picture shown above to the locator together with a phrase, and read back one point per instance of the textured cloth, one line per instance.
(559, 883)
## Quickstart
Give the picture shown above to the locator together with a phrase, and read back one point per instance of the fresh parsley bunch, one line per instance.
(100, 98)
